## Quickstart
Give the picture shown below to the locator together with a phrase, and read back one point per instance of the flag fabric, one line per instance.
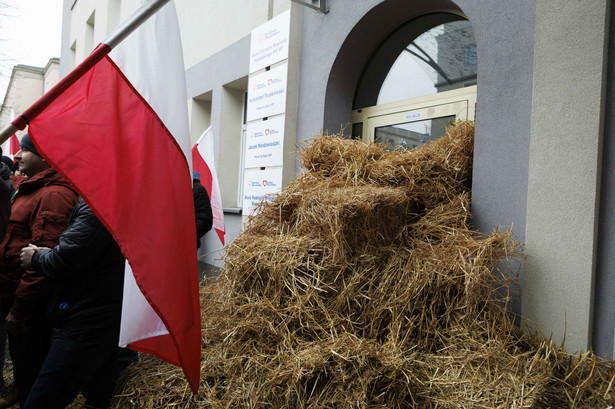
(119, 135)
(13, 145)
(203, 162)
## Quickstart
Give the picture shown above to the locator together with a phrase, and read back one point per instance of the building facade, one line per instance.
(26, 85)
(536, 76)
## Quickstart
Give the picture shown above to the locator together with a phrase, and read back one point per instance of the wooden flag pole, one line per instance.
(120, 33)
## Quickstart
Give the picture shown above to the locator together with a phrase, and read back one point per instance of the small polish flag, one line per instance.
(203, 162)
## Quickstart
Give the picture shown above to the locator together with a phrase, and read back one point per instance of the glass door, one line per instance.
(412, 134)
(413, 122)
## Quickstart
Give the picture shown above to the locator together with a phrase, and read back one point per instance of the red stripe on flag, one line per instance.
(220, 235)
(29, 114)
(112, 147)
(207, 180)
(13, 145)
(200, 166)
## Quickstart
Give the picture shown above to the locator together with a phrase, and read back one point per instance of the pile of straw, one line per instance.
(362, 285)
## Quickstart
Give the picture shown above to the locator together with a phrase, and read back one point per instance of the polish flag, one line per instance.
(203, 162)
(118, 132)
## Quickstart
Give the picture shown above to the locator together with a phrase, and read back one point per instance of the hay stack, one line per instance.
(362, 285)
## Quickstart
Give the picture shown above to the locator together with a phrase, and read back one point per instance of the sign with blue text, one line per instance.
(267, 93)
(269, 42)
(259, 185)
(265, 143)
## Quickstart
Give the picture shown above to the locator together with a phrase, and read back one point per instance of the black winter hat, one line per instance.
(27, 144)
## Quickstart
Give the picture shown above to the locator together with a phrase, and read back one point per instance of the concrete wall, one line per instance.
(565, 159)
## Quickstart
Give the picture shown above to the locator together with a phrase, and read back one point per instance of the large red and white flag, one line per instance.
(203, 161)
(119, 134)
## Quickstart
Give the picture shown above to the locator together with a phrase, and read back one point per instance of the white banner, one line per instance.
(265, 143)
(269, 42)
(267, 93)
(259, 183)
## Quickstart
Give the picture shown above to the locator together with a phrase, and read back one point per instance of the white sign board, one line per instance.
(267, 93)
(265, 143)
(257, 184)
(269, 42)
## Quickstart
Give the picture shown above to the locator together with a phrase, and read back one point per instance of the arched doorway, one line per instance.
(421, 78)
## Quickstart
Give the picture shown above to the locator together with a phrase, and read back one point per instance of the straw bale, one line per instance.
(363, 285)
(345, 159)
(436, 171)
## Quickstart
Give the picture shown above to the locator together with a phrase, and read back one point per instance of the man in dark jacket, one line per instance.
(202, 208)
(6, 172)
(40, 210)
(87, 270)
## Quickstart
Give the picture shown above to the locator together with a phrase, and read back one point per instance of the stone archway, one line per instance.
(362, 42)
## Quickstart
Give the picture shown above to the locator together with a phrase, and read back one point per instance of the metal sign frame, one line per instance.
(322, 5)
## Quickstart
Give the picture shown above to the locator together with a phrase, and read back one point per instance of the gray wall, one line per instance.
(336, 47)
(222, 68)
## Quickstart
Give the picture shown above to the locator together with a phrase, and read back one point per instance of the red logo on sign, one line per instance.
(268, 82)
(266, 131)
(264, 183)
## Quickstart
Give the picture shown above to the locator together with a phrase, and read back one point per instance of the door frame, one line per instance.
(460, 102)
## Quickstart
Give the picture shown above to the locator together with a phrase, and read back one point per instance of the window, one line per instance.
(441, 59)
(420, 79)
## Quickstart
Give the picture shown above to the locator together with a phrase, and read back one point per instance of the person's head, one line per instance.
(7, 161)
(30, 162)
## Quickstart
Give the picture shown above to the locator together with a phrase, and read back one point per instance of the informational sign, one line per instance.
(413, 116)
(258, 184)
(267, 93)
(265, 143)
(269, 42)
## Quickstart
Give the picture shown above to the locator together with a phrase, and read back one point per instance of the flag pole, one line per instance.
(120, 33)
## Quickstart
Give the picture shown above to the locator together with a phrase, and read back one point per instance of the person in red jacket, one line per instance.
(41, 207)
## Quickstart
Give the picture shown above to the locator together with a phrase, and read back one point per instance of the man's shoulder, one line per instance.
(55, 193)
(54, 183)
